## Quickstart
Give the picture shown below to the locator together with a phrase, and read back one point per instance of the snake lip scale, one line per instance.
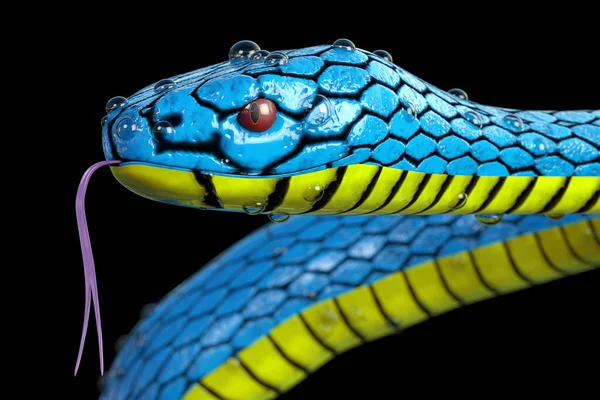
(406, 201)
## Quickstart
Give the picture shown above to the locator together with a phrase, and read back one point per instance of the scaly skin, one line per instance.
(276, 306)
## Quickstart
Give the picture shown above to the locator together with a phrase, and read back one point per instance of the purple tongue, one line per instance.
(91, 288)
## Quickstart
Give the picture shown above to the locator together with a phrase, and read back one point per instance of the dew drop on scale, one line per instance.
(254, 209)
(344, 44)
(115, 102)
(489, 219)
(461, 94)
(243, 49)
(163, 85)
(277, 218)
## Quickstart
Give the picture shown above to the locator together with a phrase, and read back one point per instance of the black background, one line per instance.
(143, 249)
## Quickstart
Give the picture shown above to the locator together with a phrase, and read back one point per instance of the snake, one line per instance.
(392, 202)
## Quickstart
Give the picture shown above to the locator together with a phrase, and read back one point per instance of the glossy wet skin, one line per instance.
(333, 107)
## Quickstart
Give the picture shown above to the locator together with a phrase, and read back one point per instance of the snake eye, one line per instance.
(258, 116)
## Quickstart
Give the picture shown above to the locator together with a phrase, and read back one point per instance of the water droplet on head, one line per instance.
(277, 218)
(474, 118)
(225, 160)
(384, 54)
(345, 44)
(164, 84)
(411, 110)
(460, 202)
(127, 129)
(489, 219)
(243, 49)
(461, 94)
(258, 55)
(276, 58)
(313, 193)
(319, 111)
(163, 131)
(555, 216)
(103, 121)
(115, 102)
(513, 122)
(254, 208)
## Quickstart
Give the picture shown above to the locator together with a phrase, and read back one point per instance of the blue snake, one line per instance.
(352, 147)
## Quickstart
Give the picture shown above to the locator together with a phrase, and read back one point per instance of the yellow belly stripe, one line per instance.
(266, 363)
(427, 196)
(506, 198)
(198, 392)
(363, 189)
(463, 279)
(385, 183)
(405, 194)
(299, 345)
(529, 259)
(429, 288)
(329, 326)
(354, 184)
(397, 301)
(231, 381)
(301, 342)
(360, 308)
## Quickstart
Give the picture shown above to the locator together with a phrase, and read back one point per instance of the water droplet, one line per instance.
(313, 193)
(147, 310)
(164, 84)
(225, 160)
(276, 58)
(127, 129)
(312, 295)
(254, 209)
(259, 55)
(474, 118)
(489, 219)
(163, 131)
(328, 316)
(345, 44)
(277, 218)
(411, 110)
(103, 121)
(115, 102)
(319, 111)
(555, 216)
(460, 202)
(513, 122)
(461, 94)
(243, 49)
(119, 372)
(384, 54)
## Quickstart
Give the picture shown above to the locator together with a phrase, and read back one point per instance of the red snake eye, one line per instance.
(258, 116)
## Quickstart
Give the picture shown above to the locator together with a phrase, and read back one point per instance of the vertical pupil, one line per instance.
(254, 112)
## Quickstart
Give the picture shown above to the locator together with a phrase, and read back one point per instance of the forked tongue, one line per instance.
(89, 272)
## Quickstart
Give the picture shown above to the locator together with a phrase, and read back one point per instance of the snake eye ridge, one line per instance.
(258, 116)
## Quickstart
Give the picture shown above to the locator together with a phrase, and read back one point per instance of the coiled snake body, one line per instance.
(385, 163)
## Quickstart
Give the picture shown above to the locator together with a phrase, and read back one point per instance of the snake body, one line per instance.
(356, 139)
